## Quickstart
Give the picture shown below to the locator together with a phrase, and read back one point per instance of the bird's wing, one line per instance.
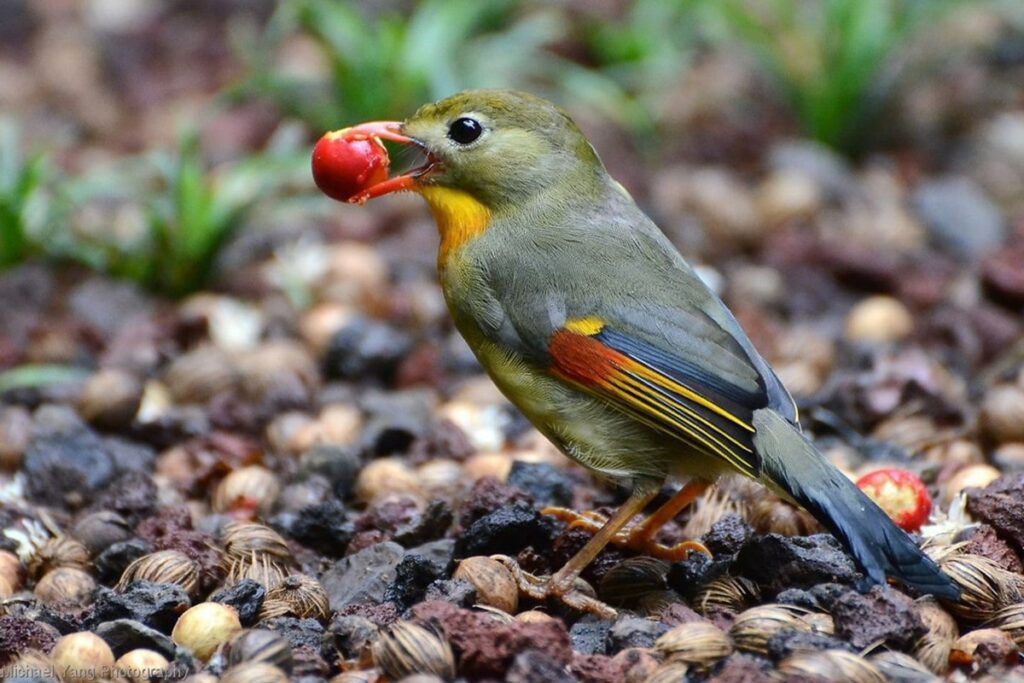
(670, 393)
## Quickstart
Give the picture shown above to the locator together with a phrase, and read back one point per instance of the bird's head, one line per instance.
(500, 147)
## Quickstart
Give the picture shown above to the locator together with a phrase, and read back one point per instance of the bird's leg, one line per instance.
(561, 584)
(640, 537)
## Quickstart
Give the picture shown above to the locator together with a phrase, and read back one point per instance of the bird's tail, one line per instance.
(878, 546)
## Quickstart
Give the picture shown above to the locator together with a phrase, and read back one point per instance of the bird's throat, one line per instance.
(459, 218)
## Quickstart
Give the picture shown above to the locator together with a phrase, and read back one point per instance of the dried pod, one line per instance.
(494, 583)
(386, 475)
(972, 476)
(1011, 621)
(66, 586)
(259, 645)
(819, 622)
(751, 629)
(11, 570)
(304, 595)
(98, 531)
(110, 398)
(200, 374)
(708, 509)
(360, 676)
(631, 582)
(533, 616)
(830, 665)
(141, 666)
(31, 665)
(254, 672)
(772, 515)
(1002, 413)
(246, 492)
(983, 649)
(259, 568)
(82, 657)
(932, 649)
(163, 566)
(985, 587)
(898, 667)
(204, 627)
(698, 643)
(406, 649)
(669, 672)
(243, 539)
(58, 552)
(727, 592)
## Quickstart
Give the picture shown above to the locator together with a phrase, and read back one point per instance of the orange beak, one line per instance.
(389, 130)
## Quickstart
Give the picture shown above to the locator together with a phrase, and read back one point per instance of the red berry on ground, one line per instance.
(901, 494)
(345, 166)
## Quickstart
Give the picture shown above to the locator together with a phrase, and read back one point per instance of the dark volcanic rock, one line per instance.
(533, 665)
(18, 635)
(727, 535)
(799, 598)
(788, 641)
(547, 484)
(298, 632)
(66, 462)
(589, 635)
(1001, 506)
(112, 562)
(413, 574)
(365, 348)
(323, 527)
(157, 605)
(487, 495)
(432, 523)
(133, 495)
(779, 562)
(364, 576)
(100, 530)
(633, 631)
(881, 614)
(456, 591)
(124, 635)
(506, 530)
(338, 464)
(743, 668)
(246, 596)
(352, 635)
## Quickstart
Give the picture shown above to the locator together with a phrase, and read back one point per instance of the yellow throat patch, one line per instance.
(458, 215)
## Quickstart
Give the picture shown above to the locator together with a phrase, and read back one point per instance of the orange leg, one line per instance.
(641, 536)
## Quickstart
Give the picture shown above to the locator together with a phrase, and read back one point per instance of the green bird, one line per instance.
(590, 321)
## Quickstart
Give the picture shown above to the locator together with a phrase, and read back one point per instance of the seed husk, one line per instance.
(494, 583)
(66, 586)
(985, 587)
(247, 490)
(406, 649)
(259, 645)
(752, 628)
(163, 566)
(260, 568)
(727, 592)
(303, 595)
(830, 665)
(698, 643)
(632, 581)
(242, 539)
(899, 667)
(254, 672)
(58, 552)
(932, 649)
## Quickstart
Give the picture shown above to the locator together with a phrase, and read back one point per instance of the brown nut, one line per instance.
(11, 570)
(669, 672)
(254, 672)
(58, 552)
(163, 566)
(385, 475)
(82, 657)
(879, 319)
(142, 666)
(247, 492)
(201, 374)
(494, 583)
(1002, 413)
(772, 515)
(698, 643)
(752, 628)
(972, 476)
(244, 539)
(66, 586)
(405, 649)
(259, 645)
(98, 531)
(110, 398)
(983, 649)
(205, 627)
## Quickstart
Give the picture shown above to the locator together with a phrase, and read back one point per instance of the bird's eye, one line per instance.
(465, 130)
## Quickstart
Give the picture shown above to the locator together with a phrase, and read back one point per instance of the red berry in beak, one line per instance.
(901, 494)
(346, 164)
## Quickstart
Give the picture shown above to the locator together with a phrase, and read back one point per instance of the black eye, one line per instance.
(465, 130)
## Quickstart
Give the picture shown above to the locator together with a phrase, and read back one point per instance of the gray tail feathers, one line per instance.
(878, 546)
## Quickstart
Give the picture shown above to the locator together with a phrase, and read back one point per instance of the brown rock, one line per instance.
(596, 668)
(986, 543)
(1001, 505)
(743, 668)
(983, 649)
(881, 614)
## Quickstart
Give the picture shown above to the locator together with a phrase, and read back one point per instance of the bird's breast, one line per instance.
(459, 216)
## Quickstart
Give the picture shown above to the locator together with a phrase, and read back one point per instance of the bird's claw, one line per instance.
(542, 588)
(637, 537)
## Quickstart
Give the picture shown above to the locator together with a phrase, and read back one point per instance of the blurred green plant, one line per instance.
(165, 216)
(22, 205)
(836, 60)
(384, 65)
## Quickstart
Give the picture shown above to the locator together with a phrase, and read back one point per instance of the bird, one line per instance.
(589, 320)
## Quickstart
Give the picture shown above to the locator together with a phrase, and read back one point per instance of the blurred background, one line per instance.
(842, 171)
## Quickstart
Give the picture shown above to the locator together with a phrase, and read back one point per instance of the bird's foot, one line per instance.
(638, 537)
(571, 591)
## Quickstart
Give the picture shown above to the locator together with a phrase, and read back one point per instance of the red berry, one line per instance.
(901, 494)
(345, 166)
